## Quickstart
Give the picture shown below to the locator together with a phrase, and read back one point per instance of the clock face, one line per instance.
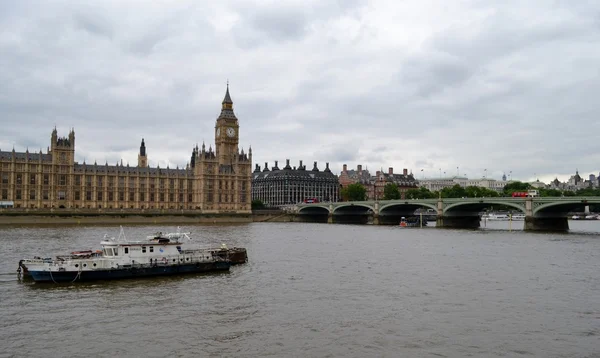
(230, 132)
(218, 131)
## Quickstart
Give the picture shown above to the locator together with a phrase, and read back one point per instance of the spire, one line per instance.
(227, 102)
(143, 148)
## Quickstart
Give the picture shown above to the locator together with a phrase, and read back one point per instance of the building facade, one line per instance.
(375, 185)
(287, 186)
(214, 181)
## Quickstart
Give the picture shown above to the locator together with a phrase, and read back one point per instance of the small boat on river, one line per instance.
(157, 255)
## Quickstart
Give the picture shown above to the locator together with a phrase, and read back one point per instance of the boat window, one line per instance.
(116, 251)
(151, 248)
(143, 249)
(107, 252)
(179, 249)
(126, 250)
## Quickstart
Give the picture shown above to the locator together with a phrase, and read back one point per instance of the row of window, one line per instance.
(62, 195)
(63, 180)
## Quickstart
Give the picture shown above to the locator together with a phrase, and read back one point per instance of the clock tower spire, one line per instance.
(226, 131)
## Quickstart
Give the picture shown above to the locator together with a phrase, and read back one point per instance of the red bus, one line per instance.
(525, 194)
(311, 200)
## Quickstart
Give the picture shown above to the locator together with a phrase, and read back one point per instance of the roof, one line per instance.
(94, 168)
(4, 155)
(294, 174)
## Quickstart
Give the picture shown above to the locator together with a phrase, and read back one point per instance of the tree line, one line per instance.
(358, 192)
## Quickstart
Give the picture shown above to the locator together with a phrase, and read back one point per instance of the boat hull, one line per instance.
(126, 272)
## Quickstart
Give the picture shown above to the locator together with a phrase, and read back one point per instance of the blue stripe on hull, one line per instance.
(133, 272)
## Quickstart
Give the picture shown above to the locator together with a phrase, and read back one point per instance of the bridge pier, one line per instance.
(546, 224)
(375, 218)
(458, 222)
(330, 218)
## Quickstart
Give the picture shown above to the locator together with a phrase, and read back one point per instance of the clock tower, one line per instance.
(227, 132)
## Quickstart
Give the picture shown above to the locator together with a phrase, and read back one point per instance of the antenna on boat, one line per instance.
(122, 234)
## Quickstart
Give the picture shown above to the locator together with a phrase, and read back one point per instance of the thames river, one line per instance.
(318, 290)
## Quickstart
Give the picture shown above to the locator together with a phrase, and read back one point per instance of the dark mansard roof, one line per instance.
(121, 169)
(5, 155)
(288, 173)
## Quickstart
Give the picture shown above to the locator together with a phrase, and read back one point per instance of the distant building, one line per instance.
(375, 185)
(437, 184)
(291, 185)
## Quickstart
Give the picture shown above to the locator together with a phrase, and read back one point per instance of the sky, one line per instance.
(471, 87)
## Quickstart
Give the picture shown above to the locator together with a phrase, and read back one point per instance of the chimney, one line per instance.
(300, 166)
(391, 171)
(359, 168)
(405, 171)
(377, 173)
(345, 168)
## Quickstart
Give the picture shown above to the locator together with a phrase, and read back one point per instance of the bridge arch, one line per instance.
(314, 209)
(417, 205)
(560, 208)
(352, 204)
(481, 204)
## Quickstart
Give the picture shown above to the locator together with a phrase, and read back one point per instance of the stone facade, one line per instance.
(375, 184)
(280, 187)
(213, 182)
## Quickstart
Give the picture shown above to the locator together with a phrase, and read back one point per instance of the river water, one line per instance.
(318, 290)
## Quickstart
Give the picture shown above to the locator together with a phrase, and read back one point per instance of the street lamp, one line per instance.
(485, 173)
(510, 175)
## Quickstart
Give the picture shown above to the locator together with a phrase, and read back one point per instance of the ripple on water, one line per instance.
(318, 290)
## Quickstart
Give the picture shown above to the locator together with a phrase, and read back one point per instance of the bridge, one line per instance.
(541, 213)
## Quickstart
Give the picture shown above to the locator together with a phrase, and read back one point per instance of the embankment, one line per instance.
(8, 218)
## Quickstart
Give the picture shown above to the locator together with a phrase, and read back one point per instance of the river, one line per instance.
(318, 290)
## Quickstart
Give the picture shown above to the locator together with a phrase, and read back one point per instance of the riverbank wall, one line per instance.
(58, 218)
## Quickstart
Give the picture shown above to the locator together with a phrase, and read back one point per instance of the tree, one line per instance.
(420, 193)
(550, 192)
(515, 186)
(257, 204)
(354, 192)
(391, 192)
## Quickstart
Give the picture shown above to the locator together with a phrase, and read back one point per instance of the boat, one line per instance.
(156, 255)
(403, 222)
(495, 217)
(517, 217)
(412, 221)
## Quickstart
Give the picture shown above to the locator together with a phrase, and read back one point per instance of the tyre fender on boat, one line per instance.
(164, 260)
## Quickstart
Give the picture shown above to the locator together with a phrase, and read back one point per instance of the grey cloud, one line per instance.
(506, 95)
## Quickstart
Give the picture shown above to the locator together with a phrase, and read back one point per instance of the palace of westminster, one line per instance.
(214, 181)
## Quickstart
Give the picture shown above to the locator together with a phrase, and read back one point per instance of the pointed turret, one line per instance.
(227, 102)
(143, 148)
(227, 107)
(142, 157)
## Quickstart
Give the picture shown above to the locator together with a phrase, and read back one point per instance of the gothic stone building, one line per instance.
(214, 181)
(280, 187)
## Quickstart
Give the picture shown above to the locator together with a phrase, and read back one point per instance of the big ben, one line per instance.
(227, 132)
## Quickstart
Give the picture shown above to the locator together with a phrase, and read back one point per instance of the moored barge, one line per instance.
(157, 255)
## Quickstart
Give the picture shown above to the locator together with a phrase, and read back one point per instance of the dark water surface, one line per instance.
(318, 290)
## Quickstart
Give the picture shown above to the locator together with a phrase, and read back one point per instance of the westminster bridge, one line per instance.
(541, 213)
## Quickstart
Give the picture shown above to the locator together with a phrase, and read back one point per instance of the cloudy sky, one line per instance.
(472, 87)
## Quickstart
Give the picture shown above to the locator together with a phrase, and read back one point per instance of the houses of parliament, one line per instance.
(214, 181)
